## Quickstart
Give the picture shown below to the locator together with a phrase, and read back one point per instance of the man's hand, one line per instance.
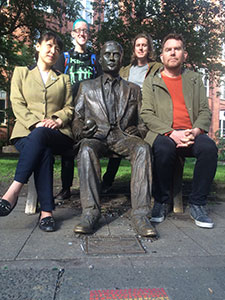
(183, 138)
(196, 131)
(89, 129)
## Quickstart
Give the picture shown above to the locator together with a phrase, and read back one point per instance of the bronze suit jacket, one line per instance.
(32, 101)
(90, 104)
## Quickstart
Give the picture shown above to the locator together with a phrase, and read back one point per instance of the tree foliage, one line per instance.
(201, 22)
(20, 25)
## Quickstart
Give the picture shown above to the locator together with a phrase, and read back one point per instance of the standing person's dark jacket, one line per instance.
(79, 66)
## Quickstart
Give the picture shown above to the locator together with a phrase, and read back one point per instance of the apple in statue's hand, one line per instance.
(89, 129)
(89, 123)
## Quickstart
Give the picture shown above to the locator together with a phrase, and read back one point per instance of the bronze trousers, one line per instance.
(129, 147)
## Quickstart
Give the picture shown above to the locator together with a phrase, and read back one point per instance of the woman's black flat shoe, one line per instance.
(47, 224)
(6, 207)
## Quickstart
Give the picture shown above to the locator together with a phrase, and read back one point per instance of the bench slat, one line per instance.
(177, 186)
(31, 203)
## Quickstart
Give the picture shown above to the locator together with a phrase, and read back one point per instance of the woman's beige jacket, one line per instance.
(32, 100)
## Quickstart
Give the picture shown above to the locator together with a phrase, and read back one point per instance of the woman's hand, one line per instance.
(50, 123)
(59, 122)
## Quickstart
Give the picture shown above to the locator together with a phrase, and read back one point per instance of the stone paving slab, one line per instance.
(29, 284)
(55, 245)
(12, 243)
(173, 242)
(124, 224)
(207, 240)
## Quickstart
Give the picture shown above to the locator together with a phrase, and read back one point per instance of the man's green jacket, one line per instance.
(157, 106)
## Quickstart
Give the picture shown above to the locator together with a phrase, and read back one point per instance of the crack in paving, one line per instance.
(58, 283)
(21, 249)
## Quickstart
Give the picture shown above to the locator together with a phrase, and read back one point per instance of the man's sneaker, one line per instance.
(63, 194)
(158, 212)
(199, 214)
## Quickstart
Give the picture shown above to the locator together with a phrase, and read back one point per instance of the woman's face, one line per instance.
(48, 52)
(80, 33)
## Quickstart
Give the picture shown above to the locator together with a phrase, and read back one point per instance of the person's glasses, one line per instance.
(79, 30)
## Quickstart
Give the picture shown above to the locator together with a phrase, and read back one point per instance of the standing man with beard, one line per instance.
(175, 110)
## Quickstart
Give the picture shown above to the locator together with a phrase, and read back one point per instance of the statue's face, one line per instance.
(111, 57)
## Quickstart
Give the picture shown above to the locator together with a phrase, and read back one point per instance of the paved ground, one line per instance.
(184, 263)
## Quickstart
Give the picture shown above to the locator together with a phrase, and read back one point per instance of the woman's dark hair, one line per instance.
(50, 36)
(151, 54)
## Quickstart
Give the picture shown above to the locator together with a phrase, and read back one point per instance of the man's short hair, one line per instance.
(173, 36)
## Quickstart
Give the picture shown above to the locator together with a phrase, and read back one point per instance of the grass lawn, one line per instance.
(8, 166)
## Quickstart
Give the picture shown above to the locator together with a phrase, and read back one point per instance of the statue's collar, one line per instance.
(108, 78)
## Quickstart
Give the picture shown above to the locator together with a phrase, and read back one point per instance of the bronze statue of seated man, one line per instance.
(107, 121)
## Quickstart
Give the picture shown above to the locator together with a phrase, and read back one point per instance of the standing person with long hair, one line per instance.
(142, 60)
(42, 103)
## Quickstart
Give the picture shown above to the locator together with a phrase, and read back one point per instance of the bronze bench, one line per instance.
(31, 202)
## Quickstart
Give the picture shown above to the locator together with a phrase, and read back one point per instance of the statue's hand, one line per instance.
(89, 128)
(132, 130)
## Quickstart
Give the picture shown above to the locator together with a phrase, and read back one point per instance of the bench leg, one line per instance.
(31, 203)
(177, 186)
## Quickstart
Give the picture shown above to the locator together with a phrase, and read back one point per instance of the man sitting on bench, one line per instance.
(175, 109)
(107, 121)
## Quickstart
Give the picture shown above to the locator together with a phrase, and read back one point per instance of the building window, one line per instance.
(2, 95)
(2, 106)
(222, 88)
(2, 112)
(205, 80)
(222, 124)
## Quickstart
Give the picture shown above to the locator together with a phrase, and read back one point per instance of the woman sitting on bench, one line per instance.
(42, 103)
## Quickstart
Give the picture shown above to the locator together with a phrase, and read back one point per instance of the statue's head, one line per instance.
(111, 56)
